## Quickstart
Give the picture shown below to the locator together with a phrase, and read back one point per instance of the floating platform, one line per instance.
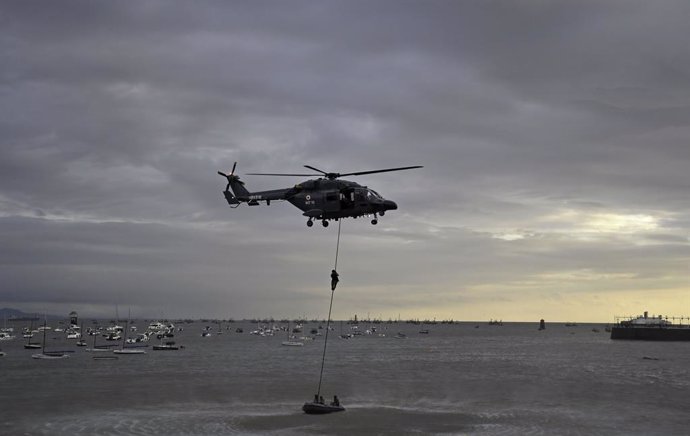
(652, 328)
(321, 409)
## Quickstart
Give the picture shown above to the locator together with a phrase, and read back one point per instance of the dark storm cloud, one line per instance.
(553, 135)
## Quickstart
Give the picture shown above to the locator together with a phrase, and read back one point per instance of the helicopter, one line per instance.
(325, 198)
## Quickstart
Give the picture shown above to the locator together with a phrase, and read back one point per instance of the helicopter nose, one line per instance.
(390, 205)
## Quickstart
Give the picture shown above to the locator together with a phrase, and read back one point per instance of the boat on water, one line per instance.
(291, 342)
(99, 348)
(129, 351)
(113, 336)
(320, 408)
(48, 355)
(167, 346)
(32, 345)
(651, 328)
(6, 336)
(73, 334)
(123, 350)
(81, 342)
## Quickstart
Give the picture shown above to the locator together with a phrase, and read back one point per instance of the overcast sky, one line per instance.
(554, 138)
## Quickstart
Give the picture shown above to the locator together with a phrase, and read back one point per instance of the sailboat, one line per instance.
(49, 355)
(97, 349)
(32, 345)
(81, 342)
(289, 342)
(124, 350)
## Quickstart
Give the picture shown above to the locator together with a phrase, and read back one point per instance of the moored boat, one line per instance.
(129, 351)
(124, 350)
(48, 354)
(167, 346)
(290, 342)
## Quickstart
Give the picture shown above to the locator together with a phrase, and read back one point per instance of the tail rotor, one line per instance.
(230, 176)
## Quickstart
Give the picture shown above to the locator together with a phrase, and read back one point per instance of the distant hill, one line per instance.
(12, 314)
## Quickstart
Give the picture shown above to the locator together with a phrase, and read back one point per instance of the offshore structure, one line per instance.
(651, 328)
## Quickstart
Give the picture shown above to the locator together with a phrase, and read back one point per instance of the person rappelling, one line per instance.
(334, 279)
(319, 406)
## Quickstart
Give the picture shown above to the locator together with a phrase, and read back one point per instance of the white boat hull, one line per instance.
(293, 344)
(49, 356)
(129, 351)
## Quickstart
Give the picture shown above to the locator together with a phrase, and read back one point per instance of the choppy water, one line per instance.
(491, 380)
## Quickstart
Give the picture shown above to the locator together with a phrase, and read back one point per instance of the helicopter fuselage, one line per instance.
(319, 199)
(326, 198)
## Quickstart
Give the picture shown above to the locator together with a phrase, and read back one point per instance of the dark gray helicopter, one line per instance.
(325, 198)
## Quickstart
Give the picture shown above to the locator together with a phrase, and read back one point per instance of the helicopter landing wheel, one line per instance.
(382, 213)
(310, 223)
(325, 223)
(374, 221)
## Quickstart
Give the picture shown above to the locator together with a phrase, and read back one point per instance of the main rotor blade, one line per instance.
(335, 175)
(360, 173)
(233, 168)
(222, 174)
(274, 174)
(315, 169)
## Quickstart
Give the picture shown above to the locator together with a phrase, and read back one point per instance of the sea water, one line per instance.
(463, 378)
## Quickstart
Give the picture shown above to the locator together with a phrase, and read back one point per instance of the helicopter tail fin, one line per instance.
(238, 188)
(232, 201)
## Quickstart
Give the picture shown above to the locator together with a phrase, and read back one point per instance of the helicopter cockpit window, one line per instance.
(373, 194)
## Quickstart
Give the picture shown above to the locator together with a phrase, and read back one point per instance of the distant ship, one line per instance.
(654, 328)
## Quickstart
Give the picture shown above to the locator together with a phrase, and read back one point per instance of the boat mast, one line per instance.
(43, 347)
(124, 336)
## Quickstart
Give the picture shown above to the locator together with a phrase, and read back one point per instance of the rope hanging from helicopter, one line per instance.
(334, 282)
